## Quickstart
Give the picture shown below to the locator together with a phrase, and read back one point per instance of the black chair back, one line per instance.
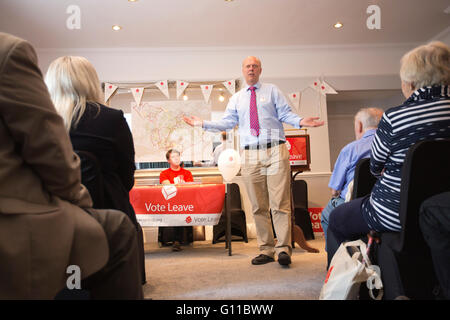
(363, 180)
(426, 172)
(301, 215)
(238, 220)
(92, 177)
(404, 257)
(300, 194)
(235, 197)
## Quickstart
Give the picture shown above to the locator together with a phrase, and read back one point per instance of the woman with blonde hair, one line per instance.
(96, 130)
(425, 115)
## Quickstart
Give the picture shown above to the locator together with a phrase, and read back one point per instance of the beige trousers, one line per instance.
(267, 175)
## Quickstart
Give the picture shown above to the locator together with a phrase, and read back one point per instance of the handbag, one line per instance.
(349, 268)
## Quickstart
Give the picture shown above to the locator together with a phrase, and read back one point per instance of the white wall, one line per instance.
(144, 64)
(291, 68)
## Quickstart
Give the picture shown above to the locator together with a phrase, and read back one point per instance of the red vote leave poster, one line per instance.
(298, 147)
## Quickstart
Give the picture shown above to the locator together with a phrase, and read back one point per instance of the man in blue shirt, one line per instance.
(366, 123)
(260, 109)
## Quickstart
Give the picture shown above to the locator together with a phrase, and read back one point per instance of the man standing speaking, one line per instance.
(260, 109)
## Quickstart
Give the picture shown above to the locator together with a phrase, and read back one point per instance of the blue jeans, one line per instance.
(325, 216)
(346, 224)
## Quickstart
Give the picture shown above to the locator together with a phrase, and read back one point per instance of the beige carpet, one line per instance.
(205, 271)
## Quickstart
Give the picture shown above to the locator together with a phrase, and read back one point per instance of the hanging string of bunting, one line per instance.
(319, 85)
(137, 90)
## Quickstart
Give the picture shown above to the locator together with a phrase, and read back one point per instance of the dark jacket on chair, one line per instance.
(104, 132)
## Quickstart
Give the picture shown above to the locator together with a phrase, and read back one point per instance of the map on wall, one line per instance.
(158, 126)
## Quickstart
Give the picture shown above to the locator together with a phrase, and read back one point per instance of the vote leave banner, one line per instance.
(315, 214)
(178, 205)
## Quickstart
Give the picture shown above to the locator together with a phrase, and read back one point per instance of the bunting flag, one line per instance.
(206, 90)
(327, 89)
(137, 95)
(109, 90)
(322, 87)
(181, 86)
(295, 99)
(163, 86)
(230, 85)
(316, 85)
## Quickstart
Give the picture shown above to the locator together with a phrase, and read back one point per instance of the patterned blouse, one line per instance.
(424, 116)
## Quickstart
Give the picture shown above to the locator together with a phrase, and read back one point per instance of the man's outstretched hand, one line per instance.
(193, 121)
(311, 122)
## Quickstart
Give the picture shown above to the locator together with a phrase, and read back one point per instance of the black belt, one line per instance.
(265, 146)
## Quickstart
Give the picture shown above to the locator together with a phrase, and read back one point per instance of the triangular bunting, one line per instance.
(109, 90)
(181, 86)
(137, 95)
(327, 89)
(230, 85)
(322, 87)
(295, 98)
(206, 90)
(316, 85)
(164, 87)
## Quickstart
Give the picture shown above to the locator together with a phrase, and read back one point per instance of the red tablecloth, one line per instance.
(178, 205)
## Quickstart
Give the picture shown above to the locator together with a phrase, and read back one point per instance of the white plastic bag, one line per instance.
(347, 272)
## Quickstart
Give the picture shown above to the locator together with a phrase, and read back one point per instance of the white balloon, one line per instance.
(229, 164)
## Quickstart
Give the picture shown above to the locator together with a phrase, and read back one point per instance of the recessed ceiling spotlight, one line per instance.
(116, 27)
(132, 0)
(338, 25)
(228, 0)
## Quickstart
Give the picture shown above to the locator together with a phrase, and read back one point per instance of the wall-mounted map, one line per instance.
(158, 126)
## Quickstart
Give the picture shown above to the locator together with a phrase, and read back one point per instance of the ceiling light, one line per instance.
(338, 25)
(185, 97)
(132, 0)
(116, 27)
(221, 98)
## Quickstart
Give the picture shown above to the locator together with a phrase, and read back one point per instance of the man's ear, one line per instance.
(359, 126)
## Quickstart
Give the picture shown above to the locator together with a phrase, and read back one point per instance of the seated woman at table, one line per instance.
(176, 174)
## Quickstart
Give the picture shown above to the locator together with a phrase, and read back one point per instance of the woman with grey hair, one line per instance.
(425, 115)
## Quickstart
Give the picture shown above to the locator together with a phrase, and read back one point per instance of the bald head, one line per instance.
(367, 119)
(251, 59)
(251, 70)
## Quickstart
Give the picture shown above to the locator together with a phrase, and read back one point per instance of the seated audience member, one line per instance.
(216, 153)
(46, 218)
(425, 115)
(176, 174)
(76, 94)
(366, 122)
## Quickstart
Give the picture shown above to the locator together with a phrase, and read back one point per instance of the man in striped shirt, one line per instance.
(425, 115)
